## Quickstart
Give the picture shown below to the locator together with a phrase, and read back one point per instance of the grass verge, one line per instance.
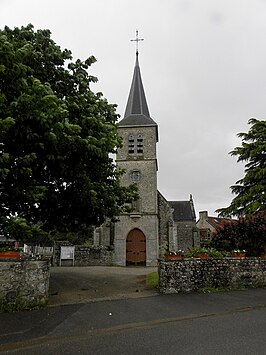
(152, 280)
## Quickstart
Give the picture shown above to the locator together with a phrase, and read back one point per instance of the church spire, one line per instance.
(137, 112)
(137, 104)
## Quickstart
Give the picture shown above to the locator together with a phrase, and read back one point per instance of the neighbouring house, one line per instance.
(2, 238)
(8, 242)
(155, 225)
(207, 225)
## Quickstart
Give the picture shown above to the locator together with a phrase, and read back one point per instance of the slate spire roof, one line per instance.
(137, 112)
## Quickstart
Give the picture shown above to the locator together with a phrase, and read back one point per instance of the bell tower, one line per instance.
(136, 233)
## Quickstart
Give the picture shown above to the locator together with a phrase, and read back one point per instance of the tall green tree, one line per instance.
(56, 136)
(250, 191)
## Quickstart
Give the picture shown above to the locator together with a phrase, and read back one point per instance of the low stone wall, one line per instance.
(190, 275)
(24, 284)
(86, 256)
(93, 256)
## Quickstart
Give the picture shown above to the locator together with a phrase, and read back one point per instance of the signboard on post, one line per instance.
(67, 253)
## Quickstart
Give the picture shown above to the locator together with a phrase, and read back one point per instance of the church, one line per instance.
(155, 226)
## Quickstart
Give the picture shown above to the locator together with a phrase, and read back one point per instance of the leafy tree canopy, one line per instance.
(56, 135)
(251, 190)
(247, 233)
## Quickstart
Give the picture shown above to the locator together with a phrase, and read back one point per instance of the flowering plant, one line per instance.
(238, 251)
(178, 252)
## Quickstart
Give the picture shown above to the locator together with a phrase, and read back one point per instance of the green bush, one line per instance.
(248, 233)
(211, 252)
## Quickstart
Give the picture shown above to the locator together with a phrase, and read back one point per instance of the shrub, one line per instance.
(211, 252)
(247, 233)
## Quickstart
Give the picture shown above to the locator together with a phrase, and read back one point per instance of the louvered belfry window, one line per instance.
(135, 144)
(131, 144)
(139, 144)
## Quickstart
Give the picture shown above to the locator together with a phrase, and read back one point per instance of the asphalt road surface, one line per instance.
(215, 323)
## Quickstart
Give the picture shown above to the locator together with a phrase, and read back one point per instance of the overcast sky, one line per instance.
(203, 66)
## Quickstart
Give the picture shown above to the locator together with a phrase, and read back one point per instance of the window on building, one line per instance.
(205, 235)
(135, 144)
(139, 144)
(131, 144)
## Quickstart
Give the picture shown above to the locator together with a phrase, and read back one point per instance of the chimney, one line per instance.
(203, 215)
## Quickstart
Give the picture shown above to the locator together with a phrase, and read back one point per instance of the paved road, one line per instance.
(217, 323)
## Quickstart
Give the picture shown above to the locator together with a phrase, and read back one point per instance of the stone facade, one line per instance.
(24, 283)
(144, 216)
(190, 275)
(153, 227)
(166, 226)
(177, 231)
(186, 234)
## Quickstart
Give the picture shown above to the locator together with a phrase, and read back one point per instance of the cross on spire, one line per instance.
(137, 40)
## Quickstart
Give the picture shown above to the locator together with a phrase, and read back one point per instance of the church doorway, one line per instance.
(136, 248)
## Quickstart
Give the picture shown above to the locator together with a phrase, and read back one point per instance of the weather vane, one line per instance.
(137, 40)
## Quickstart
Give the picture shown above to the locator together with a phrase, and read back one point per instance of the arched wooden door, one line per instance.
(136, 248)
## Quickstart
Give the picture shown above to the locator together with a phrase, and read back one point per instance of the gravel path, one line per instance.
(70, 285)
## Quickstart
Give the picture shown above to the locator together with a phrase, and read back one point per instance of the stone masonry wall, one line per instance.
(190, 275)
(25, 282)
(165, 217)
(85, 255)
(93, 256)
(185, 234)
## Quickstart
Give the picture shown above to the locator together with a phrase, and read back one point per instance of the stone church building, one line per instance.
(155, 225)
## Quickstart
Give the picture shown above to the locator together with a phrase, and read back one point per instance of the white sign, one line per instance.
(67, 253)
